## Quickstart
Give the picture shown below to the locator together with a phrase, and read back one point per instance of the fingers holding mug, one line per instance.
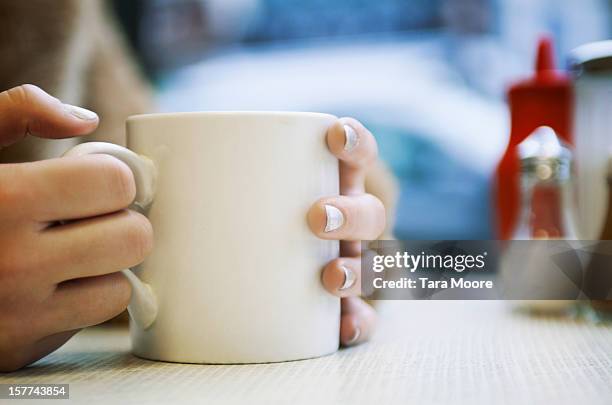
(358, 321)
(356, 148)
(342, 277)
(143, 305)
(352, 218)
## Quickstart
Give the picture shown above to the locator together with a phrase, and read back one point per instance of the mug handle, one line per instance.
(143, 303)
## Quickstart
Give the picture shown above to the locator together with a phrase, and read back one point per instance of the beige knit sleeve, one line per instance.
(115, 88)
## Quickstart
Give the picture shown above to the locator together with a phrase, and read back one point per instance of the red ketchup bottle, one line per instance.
(546, 99)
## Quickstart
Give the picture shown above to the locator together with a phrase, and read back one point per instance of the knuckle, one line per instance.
(28, 105)
(138, 236)
(20, 95)
(118, 177)
(14, 191)
(28, 88)
(21, 107)
(17, 265)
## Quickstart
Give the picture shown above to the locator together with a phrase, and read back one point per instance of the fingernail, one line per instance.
(349, 278)
(355, 336)
(81, 113)
(350, 138)
(335, 219)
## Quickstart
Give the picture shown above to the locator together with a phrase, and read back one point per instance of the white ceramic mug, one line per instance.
(234, 276)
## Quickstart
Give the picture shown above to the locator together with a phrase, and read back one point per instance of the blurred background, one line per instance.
(428, 77)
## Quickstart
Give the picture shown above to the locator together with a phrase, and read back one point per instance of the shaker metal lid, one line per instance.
(543, 154)
(542, 143)
(591, 57)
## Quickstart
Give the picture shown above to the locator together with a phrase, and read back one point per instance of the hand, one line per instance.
(351, 217)
(58, 278)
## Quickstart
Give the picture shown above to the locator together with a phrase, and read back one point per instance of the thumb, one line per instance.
(28, 110)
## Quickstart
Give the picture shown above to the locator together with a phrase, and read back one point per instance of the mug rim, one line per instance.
(229, 113)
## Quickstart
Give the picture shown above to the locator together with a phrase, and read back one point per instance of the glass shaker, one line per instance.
(546, 213)
(546, 192)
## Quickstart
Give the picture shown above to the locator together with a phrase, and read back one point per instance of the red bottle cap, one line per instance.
(542, 100)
